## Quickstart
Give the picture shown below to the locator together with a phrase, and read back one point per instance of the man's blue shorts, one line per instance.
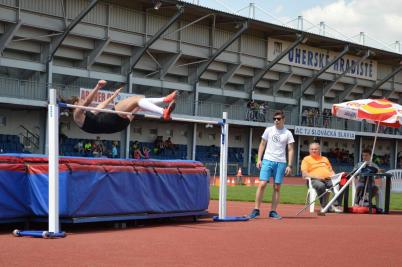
(272, 169)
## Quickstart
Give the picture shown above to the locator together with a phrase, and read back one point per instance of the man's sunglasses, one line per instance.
(277, 119)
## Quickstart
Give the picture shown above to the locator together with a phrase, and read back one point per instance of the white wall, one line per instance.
(31, 119)
(208, 136)
(236, 133)
(181, 131)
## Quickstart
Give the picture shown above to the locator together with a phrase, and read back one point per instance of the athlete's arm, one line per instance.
(88, 100)
(110, 99)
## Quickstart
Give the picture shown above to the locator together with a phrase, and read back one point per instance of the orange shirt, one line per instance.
(317, 167)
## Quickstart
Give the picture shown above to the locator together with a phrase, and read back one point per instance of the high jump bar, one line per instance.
(53, 154)
(144, 115)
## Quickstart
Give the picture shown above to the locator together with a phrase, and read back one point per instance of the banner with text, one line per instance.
(316, 58)
(323, 132)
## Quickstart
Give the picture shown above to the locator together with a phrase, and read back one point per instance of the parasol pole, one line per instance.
(371, 160)
(375, 140)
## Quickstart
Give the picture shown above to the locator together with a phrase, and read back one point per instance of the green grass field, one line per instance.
(290, 194)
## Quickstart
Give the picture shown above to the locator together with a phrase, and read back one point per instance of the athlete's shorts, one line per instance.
(104, 123)
(273, 169)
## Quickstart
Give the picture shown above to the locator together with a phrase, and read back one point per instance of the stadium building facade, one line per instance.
(218, 61)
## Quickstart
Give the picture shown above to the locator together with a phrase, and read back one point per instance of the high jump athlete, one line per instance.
(102, 122)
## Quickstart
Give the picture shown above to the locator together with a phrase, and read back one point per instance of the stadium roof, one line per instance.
(262, 28)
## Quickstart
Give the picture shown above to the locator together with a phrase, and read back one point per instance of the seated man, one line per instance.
(319, 170)
(361, 187)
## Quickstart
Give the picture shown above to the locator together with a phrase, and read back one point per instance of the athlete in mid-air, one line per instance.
(102, 122)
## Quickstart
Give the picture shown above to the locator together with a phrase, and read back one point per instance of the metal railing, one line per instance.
(266, 115)
(29, 138)
(22, 89)
(32, 90)
(321, 121)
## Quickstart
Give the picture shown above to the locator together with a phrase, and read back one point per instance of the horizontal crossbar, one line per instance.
(174, 118)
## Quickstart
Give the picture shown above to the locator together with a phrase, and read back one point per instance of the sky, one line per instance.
(380, 20)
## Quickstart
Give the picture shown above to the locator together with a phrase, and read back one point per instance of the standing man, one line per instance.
(274, 141)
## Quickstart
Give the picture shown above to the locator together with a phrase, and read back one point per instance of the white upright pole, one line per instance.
(223, 167)
(225, 162)
(53, 120)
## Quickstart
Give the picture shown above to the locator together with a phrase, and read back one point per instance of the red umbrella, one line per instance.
(376, 111)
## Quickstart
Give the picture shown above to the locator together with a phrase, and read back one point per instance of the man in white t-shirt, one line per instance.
(274, 141)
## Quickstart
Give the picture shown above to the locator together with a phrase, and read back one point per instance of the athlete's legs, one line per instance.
(135, 103)
(156, 101)
(160, 100)
(146, 104)
(128, 104)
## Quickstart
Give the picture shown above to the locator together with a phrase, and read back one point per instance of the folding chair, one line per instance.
(311, 195)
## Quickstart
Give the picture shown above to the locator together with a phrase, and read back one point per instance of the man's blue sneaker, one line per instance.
(254, 213)
(274, 215)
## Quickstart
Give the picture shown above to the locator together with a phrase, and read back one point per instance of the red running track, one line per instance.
(308, 240)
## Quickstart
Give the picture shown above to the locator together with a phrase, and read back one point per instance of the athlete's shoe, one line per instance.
(169, 98)
(274, 215)
(168, 110)
(254, 213)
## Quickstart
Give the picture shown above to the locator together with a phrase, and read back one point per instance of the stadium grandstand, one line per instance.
(216, 60)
